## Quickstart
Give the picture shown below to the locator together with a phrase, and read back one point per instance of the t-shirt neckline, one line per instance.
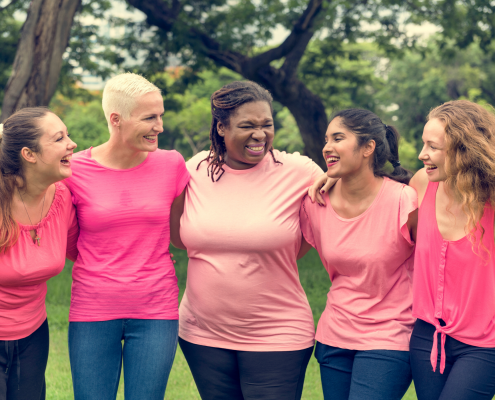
(117, 169)
(248, 170)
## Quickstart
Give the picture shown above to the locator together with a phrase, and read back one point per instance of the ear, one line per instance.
(369, 148)
(115, 119)
(28, 155)
(220, 129)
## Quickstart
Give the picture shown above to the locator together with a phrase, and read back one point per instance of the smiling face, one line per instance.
(249, 135)
(53, 161)
(341, 152)
(434, 151)
(140, 131)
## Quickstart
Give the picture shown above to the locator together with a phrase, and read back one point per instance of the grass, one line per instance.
(180, 385)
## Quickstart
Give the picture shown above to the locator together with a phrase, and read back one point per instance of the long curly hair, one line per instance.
(470, 158)
(224, 103)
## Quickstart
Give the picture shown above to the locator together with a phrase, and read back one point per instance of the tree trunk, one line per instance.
(38, 61)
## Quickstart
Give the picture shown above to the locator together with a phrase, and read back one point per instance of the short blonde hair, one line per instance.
(121, 91)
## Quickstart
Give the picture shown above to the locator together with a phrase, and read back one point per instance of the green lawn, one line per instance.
(181, 385)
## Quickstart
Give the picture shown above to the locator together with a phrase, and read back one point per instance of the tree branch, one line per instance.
(298, 34)
(159, 13)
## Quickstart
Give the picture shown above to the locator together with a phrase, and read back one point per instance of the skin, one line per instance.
(250, 127)
(357, 186)
(42, 170)
(128, 145)
(451, 220)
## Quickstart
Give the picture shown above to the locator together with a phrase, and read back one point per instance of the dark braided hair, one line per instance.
(368, 126)
(224, 103)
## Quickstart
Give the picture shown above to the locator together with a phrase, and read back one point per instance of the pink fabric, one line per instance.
(452, 283)
(124, 269)
(242, 235)
(26, 267)
(369, 259)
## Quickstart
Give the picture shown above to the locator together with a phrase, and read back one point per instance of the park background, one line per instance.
(398, 58)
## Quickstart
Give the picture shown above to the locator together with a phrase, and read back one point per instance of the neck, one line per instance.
(116, 154)
(452, 195)
(34, 189)
(358, 186)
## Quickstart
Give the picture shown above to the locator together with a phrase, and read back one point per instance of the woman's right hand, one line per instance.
(320, 186)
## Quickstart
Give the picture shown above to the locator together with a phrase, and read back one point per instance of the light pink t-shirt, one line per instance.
(25, 267)
(369, 259)
(453, 283)
(124, 269)
(242, 236)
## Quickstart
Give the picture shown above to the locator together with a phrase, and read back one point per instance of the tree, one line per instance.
(38, 61)
(229, 35)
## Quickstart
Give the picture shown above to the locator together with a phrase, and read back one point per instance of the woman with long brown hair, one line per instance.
(36, 219)
(453, 341)
(245, 325)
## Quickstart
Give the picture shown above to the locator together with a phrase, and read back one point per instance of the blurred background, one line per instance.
(398, 58)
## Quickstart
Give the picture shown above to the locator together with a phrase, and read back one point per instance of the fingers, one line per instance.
(312, 193)
(327, 186)
(320, 199)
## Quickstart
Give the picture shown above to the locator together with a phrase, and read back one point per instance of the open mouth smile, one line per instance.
(332, 160)
(430, 168)
(151, 138)
(256, 149)
(66, 160)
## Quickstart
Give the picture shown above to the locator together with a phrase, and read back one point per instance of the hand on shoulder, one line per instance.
(419, 182)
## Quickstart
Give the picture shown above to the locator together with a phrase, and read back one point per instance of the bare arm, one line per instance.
(419, 182)
(305, 247)
(175, 213)
(320, 186)
(412, 224)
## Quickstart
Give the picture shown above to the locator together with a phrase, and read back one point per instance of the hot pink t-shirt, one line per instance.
(242, 236)
(369, 259)
(124, 269)
(452, 283)
(25, 267)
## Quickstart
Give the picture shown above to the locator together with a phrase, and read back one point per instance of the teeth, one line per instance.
(430, 167)
(256, 148)
(332, 159)
(150, 137)
(66, 158)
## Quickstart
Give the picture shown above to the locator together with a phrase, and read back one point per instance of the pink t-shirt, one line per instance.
(369, 259)
(242, 236)
(124, 269)
(26, 267)
(452, 283)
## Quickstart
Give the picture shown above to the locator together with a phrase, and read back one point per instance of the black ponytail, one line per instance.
(368, 126)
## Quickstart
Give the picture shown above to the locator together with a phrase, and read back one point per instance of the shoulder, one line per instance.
(419, 182)
(167, 156)
(63, 196)
(293, 159)
(192, 163)
(80, 155)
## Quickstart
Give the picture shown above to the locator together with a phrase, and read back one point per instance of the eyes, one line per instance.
(62, 137)
(252, 126)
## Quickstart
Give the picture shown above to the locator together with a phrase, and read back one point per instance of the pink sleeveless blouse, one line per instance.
(452, 283)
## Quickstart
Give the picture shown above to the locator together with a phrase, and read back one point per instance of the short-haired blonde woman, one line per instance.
(36, 219)
(124, 285)
(453, 341)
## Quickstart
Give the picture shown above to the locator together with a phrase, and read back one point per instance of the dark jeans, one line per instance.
(363, 375)
(469, 371)
(22, 366)
(222, 374)
(96, 355)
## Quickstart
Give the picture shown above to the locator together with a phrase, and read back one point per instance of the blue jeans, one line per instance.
(96, 354)
(469, 370)
(363, 375)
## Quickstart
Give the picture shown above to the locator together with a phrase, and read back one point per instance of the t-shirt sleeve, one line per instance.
(305, 221)
(408, 203)
(315, 172)
(183, 175)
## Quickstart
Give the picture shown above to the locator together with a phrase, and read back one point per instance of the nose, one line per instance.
(327, 148)
(72, 145)
(258, 134)
(422, 155)
(159, 125)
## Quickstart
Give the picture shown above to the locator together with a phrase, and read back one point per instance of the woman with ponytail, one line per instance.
(37, 221)
(245, 325)
(365, 239)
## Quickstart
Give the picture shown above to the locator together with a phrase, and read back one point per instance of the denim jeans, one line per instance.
(96, 354)
(469, 370)
(363, 374)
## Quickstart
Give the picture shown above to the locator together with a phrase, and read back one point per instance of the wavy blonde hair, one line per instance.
(470, 160)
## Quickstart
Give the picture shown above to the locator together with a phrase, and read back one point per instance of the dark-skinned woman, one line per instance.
(245, 325)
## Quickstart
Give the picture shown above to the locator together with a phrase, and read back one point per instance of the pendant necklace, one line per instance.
(37, 238)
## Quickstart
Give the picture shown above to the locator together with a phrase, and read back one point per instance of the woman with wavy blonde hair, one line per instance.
(454, 279)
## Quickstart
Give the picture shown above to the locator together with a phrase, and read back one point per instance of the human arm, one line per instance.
(412, 224)
(72, 236)
(175, 214)
(419, 182)
(305, 247)
(320, 186)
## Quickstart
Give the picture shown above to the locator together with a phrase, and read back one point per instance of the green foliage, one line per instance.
(85, 120)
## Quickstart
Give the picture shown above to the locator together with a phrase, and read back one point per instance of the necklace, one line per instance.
(37, 238)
